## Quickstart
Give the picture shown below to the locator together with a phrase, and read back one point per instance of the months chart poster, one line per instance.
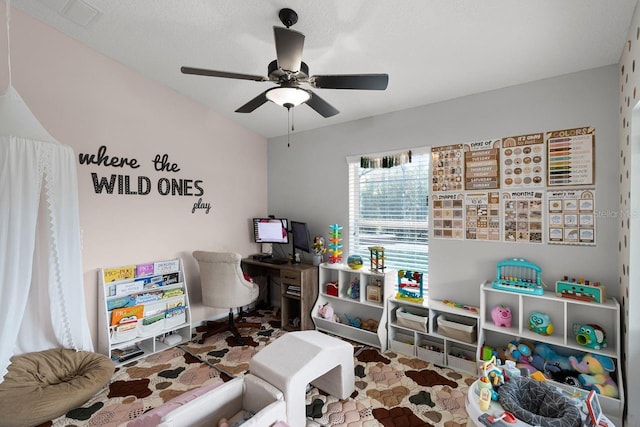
(522, 216)
(448, 221)
(482, 217)
(571, 157)
(523, 161)
(447, 169)
(572, 218)
(482, 165)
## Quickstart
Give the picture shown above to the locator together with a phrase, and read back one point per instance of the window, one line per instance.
(389, 207)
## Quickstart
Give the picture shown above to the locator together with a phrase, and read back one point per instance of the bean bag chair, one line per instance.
(44, 385)
(538, 404)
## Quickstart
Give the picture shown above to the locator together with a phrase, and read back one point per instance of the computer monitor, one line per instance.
(270, 230)
(300, 236)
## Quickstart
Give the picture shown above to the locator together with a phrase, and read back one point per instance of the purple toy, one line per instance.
(501, 316)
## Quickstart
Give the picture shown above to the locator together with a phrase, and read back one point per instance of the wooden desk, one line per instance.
(298, 290)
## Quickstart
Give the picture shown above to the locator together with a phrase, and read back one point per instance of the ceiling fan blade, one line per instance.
(289, 44)
(254, 103)
(225, 74)
(321, 106)
(351, 81)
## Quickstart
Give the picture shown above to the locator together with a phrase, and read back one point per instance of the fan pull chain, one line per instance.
(289, 126)
(8, 6)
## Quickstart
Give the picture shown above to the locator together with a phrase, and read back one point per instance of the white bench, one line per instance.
(299, 358)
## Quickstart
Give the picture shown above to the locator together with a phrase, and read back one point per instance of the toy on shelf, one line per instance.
(376, 255)
(581, 290)
(518, 275)
(326, 312)
(594, 373)
(354, 289)
(374, 291)
(355, 262)
(410, 286)
(353, 321)
(370, 325)
(332, 288)
(501, 315)
(469, 308)
(335, 245)
(590, 335)
(540, 323)
(520, 351)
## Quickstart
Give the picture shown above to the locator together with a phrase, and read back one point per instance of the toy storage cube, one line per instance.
(414, 318)
(461, 329)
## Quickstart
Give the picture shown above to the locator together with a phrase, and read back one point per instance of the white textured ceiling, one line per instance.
(433, 50)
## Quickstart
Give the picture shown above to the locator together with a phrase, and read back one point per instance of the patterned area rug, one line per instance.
(391, 390)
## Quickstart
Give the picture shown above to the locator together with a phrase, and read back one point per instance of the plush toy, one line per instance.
(501, 316)
(353, 321)
(354, 289)
(594, 373)
(326, 312)
(549, 356)
(520, 351)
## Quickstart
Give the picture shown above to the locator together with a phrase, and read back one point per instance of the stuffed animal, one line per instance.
(594, 373)
(540, 323)
(590, 335)
(326, 312)
(549, 356)
(501, 316)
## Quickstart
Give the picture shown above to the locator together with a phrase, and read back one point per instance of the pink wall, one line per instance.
(86, 100)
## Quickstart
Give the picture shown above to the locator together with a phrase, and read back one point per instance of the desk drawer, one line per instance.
(290, 277)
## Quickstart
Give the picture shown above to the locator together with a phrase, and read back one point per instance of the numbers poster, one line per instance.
(523, 161)
(572, 217)
(482, 216)
(482, 165)
(447, 170)
(571, 154)
(522, 215)
(447, 210)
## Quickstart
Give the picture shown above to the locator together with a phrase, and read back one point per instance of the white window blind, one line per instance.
(388, 206)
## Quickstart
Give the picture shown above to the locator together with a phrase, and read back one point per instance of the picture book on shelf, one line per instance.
(119, 273)
(121, 302)
(165, 267)
(144, 270)
(127, 314)
(176, 311)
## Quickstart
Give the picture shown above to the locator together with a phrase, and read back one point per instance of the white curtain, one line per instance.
(41, 290)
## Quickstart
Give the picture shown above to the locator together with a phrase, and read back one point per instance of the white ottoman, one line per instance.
(299, 358)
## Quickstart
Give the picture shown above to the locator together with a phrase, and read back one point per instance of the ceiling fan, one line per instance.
(288, 71)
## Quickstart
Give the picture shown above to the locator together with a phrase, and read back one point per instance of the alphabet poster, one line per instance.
(571, 157)
(572, 219)
(522, 216)
(482, 165)
(448, 221)
(482, 216)
(447, 170)
(523, 161)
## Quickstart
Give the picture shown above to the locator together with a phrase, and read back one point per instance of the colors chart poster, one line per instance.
(572, 218)
(571, 154)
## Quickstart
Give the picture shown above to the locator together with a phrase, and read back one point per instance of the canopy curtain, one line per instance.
(41, 288)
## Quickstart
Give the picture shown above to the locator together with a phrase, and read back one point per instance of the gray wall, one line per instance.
(308, 181)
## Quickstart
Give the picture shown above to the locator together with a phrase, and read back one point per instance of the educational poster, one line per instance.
(448, 221)
(482, 165)
(523, 161)
(572, 218)
(522, 216)
(482, 217)
(571, 157)
(447, 168)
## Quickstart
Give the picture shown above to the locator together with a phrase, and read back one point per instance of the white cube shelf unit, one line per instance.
(435, 331)
(144, 309)
(362, 307)
(563, 312)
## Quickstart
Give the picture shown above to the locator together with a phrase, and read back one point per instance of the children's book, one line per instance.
(126, 314)
(119, 273)
(121, 302)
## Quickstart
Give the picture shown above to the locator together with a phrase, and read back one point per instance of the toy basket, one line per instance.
(417, 319)
(459, 329)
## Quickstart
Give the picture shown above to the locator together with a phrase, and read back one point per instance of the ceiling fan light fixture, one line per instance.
(293, 96)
